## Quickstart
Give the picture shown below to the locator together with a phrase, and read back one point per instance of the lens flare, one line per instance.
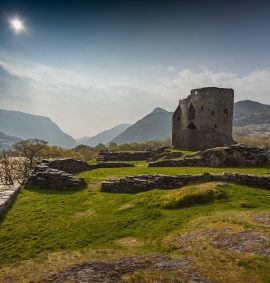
(17, 25)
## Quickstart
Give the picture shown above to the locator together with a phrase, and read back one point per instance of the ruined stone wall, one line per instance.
(42, 175)
(141, 183)
(136, 155)
(204, 119)
(68, 165)
(7, 195)
(233, 155)
(126, 155)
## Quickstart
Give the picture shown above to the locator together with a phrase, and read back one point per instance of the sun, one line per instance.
(17, 25)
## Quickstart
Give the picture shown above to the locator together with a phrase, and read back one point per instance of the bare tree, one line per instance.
(7, 168)
(32, 149)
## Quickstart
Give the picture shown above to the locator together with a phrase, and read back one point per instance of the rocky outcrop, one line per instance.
(114, 271)
(53, 178)
(7, 195)
(141, 183)
(233, 155)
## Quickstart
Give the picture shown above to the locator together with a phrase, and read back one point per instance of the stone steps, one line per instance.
(7, 195)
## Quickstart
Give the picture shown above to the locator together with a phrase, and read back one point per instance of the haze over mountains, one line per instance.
(6, 141)
(104, 137)
(25, 126)
(250, 117)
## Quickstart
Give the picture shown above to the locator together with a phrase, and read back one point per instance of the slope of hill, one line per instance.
(251, 118)
(6, 141)
(24, 126)
(104, 137)
(249, 112)
(154, 126)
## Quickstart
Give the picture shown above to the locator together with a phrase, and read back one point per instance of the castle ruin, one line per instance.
(204, 119)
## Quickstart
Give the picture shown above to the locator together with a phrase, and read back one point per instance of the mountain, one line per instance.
(154, 126)
(103, 137)
(248, 112)
(25, 126)
(6, 141)
(250, 117)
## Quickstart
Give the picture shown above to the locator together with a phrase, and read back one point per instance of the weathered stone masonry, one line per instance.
(233, 155)
(7, 195)
(204, 119)
(57, 173)
(141, 183)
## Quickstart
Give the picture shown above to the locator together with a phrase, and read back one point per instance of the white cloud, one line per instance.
(106, 103)
(255, 85)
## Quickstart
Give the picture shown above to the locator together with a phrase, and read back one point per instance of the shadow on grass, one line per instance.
(58, 191)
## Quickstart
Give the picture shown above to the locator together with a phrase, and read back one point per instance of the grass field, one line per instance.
(46, 226)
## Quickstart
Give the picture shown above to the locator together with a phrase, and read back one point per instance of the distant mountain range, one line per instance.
(103, 137)
(250, 117)
(154, 126)
(6, 141)
(25, 126)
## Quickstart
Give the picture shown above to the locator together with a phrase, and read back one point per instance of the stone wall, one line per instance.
(234, 155)
(137, 155)
(125, 155)
(68, 165)
(141, 183)
(7, 195)
(53, 178)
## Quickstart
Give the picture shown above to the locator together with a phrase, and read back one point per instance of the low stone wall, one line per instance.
(68, 165)
(125, 155)
(111, 165)
(233, 155)
(7, 195)
(53, 178)
(141, 183)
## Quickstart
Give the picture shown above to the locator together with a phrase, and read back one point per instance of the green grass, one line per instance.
(42, 221)
(183, 151)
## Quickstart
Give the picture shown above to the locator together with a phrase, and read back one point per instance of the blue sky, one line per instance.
(90, 65)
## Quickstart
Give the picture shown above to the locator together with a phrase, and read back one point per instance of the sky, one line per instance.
(90, 65)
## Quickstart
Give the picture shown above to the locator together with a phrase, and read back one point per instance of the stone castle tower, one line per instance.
(204, 119)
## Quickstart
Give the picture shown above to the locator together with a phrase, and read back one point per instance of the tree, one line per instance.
(7, 166)
(32, 149)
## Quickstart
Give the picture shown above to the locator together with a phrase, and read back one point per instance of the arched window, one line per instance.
(201, 108)
(213, 113)
(191, 126)
(226, 113)
(191, 112)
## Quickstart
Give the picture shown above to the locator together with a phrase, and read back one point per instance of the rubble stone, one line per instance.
(233, 155)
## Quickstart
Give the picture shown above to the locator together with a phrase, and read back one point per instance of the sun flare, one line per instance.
(17, 25)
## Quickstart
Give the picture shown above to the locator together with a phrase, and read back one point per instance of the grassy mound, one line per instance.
(194, 195)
